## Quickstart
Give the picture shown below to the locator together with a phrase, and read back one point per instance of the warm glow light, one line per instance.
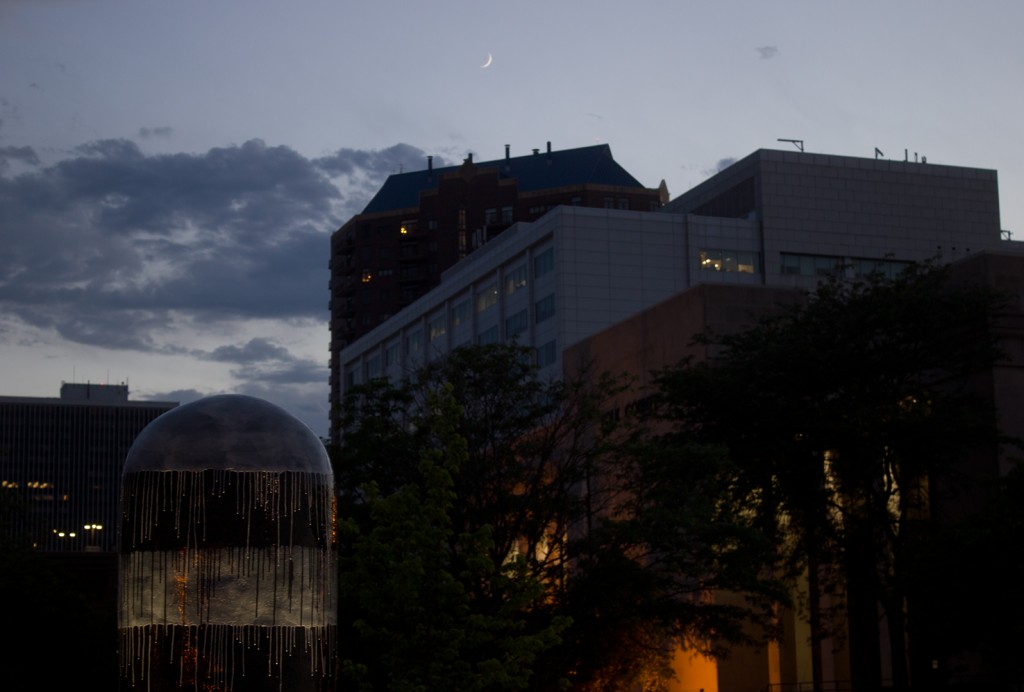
(404, 230)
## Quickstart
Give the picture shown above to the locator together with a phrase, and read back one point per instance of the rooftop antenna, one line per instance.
(799, 143)
(878, 152)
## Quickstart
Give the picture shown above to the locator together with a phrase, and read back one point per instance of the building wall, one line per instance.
(662, 335)
(850, 208)
(605, 264)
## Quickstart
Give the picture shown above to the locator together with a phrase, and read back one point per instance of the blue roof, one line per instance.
(536, 171)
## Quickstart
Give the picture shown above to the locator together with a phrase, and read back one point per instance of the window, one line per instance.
(488, 336)
(711, 260)
(890, 269)
(437, 327)
(515, 279)
(506, 214)
(460, 313)
(809, 265)
(413, 342)
(487, 297)
(623, 203)
(748, 262)
(544, 309)
(490, 216)
(609, 202)
(546, 354)
(544, 262)
(391, 354)
(373, 367)
(516, 324)
(729, 261)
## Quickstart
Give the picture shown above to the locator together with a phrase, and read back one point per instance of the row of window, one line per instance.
(824, 265)
(515, 325)
(546, 354)
(717, 260)
(437, 328)
(491, 216)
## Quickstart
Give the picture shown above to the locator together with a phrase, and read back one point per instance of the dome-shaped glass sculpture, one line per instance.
(227, 551)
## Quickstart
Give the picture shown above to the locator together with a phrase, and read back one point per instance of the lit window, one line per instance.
(515, 279)
(731, 261)
(413, 342)
(487, 297)
(437, 328)
(460, 313)
(711, 260)
(367, 276)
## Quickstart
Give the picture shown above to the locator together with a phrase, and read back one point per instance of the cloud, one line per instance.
(767, 52)
(119, 249)
(217, 257)
(151, 132)
(22, 155)
(256, 350)
(363, 171)
(720, 166)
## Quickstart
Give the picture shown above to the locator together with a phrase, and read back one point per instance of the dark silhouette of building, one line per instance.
(60, 464)
(421, 223)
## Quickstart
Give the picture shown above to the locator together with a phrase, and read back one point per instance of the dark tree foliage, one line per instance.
(973, 572)
(847, 413)
(60, 631)
(518, 513)
(413, 585)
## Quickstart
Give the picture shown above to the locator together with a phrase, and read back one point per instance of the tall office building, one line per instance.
(61, 461)
(421, 223)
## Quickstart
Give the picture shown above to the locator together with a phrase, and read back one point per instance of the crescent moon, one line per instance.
(490, 59)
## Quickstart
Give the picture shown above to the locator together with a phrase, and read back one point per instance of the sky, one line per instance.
(171, 172)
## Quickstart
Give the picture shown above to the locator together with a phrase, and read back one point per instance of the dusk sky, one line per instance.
(171, 171)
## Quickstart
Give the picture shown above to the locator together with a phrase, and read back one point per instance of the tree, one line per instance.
(417, 625)
(541, 534)
(845, 411)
